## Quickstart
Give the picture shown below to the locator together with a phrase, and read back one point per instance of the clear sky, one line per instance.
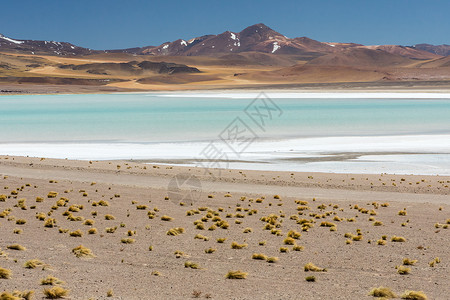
(113, 24)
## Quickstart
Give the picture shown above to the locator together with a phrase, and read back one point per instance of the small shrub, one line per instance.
(210, 250)
(310, 278)
(92, 231)
(21, 221)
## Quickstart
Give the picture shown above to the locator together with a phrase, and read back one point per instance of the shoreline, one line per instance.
(382, 182)
(402, 87)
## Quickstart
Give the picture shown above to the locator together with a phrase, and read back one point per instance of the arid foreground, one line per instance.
(361, 231)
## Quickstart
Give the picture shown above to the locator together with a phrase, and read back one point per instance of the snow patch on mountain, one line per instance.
(10, 40)
(275, 47)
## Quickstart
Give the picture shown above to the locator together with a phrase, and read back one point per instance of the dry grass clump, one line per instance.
(201, 237)
(414, 295)
(50, 280)
(294, 234)
(109, 217)
(3, 198)
(56, 292)
(409, 262)
(175, 231)
(76, 233)
(210, 250)
(50, 223)
(247, 230)
(398, 239)
(236, 275)
(259, 256)
(221, 240)
(235, 245)
(127, 241)
(402, 213)
(21, 221)
(92, 231)
(381, 242)
(272, 259)
(437, 260)
(166, 218)
(111, 229)
(289, 241)
(16, 247)
(382, 292)
(298, 248)
(82, 251)
(89, 222)
(5, 273)
(17, 295)
(52, 194)
(377, 223)
(191, 265)
(284, 250)
(402, 270)
(327, 224)
(41, 216)
(141, 207)
(33, 264)
(313, 268)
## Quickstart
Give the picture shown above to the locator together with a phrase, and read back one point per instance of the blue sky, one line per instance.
(112, 24)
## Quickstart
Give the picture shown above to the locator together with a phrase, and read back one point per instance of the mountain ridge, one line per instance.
(254, 38)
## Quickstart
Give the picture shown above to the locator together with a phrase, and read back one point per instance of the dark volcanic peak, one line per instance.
(255, 38)
(41, 47)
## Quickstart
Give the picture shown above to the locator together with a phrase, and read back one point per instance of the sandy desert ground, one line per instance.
(350, 225)
(115, 72)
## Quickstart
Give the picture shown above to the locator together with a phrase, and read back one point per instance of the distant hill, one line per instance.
(42, 47)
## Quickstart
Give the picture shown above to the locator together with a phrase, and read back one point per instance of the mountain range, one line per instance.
(255, 38)
(255, 57)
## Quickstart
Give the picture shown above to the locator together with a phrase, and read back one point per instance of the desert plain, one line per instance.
(145, 239)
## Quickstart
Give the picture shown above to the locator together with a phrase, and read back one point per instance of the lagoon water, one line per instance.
(398, 133)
